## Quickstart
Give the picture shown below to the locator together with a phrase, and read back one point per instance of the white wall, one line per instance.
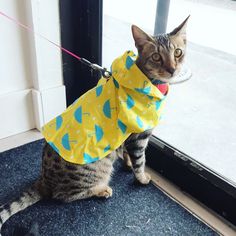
(14, 59)
(31, 85)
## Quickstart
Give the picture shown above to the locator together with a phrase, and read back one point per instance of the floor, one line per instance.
(199, 118)
(164, 185)
(132, 210)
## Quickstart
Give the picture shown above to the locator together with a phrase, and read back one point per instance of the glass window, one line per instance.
(200, 114)
(199, 117)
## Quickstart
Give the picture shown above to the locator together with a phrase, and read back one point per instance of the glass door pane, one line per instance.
(200, 114)
(199, 117)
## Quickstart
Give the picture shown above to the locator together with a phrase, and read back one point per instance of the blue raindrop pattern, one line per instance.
(130, 102)
(89, 159)
(158, 104)
(107, 109)
(59, 121)
(99, 90)
(98, 132)
(78, 114)
(66, 142)
(150, 97)
(54, 147)
(107, 148)
(122, 126)
(129, 62)
(116, 83)
(145, 91)
(139, 122)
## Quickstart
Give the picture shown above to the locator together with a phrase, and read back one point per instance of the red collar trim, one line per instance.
(163, 88)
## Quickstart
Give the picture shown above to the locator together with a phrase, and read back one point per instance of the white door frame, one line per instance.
(48, 91)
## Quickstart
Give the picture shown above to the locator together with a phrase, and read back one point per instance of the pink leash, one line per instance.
(104, 71)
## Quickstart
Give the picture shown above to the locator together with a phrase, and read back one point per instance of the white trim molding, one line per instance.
(47, 104)
(49, 98)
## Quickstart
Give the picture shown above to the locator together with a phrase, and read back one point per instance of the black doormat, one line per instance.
(132, 210)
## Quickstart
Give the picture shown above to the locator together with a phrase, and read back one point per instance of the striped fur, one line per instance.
(135, 147)
(69, 182)
(27, 198)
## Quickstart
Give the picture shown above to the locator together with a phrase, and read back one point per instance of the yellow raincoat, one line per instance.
(100, 120)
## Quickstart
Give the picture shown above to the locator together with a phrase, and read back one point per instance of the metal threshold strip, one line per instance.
(204, 214)
(213, 193)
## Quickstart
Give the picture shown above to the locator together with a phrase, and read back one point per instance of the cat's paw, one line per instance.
(146, 178)
(107, 192)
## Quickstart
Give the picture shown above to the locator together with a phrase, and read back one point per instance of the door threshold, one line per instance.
(204, 214)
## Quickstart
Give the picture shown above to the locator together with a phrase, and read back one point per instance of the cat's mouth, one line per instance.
(165, 78)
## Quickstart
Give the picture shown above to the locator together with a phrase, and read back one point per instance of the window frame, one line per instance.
(81, 33)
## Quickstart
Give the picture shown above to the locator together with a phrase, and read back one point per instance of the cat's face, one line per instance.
(160, 57)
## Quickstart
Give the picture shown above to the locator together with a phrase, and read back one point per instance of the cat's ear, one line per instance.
(140, 37)
(181, 29)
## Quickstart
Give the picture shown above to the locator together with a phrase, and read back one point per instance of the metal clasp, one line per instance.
(105, 73)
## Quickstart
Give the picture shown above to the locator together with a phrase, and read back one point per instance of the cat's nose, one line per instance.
(171, 70)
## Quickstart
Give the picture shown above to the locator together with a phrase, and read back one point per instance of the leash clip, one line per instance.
(105, 73)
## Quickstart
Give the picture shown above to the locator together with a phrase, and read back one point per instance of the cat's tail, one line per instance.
(27, 198)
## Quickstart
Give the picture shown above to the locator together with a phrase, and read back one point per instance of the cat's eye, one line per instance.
(178, 52)
(156, 57)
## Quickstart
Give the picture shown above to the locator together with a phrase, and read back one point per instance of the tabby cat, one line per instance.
(159, 58)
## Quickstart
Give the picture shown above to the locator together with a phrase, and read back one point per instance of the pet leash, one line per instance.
(105, 73)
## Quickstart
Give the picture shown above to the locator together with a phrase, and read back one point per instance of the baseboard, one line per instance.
(19, 139)
(48, 104)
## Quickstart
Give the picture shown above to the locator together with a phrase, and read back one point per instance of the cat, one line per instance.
(159, 58)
